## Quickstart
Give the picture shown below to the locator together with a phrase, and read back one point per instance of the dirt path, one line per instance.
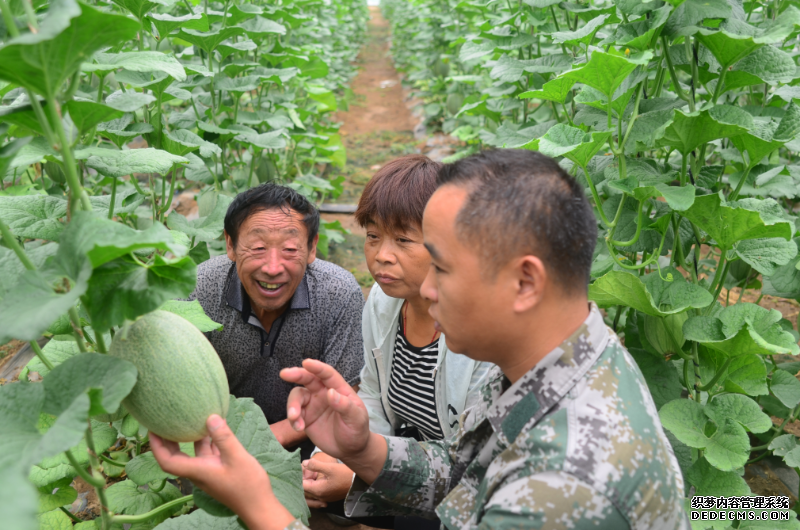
(376, 128)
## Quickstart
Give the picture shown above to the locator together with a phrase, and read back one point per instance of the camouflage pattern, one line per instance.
(574, 444)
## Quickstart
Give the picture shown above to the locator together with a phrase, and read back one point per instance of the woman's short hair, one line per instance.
(396, 196)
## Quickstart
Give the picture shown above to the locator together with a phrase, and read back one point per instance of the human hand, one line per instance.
(325, 481)
(224, 469)
(327, 408)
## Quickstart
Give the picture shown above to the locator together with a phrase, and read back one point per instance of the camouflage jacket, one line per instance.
(576, 443)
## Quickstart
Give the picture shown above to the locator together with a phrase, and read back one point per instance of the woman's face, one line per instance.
(399, 262)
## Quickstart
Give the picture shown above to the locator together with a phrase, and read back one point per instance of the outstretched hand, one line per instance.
(224, 469)
(327, 408)
(334, 417)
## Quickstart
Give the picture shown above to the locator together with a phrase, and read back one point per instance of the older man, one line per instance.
(277, 303)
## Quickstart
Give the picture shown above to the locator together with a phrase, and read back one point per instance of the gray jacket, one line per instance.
(457, 378)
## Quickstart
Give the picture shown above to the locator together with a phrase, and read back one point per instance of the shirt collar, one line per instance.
(522, 404)
(236, 297)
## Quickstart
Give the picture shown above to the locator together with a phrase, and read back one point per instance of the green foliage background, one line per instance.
(219, 97)
(680, 119)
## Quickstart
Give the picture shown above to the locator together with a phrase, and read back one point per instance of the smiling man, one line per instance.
(277, 303)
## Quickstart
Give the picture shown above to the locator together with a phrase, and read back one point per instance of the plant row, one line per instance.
(107, 111)
(680, 118)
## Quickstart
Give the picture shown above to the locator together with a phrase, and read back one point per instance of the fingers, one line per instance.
(328, 375)
(299, 397)
(341, 404)
(223, 438)
(314, 503)
(318, 466)
(204, 448)
(170, 458)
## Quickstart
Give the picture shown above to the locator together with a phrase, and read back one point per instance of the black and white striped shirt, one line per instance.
(411, 388)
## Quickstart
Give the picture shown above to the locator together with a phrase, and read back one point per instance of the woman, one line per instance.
(411, 384)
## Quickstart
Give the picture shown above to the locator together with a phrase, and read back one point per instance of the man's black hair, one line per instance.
(266, 197)
(522, 202)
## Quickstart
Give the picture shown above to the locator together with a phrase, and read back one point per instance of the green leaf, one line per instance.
(55, 520)
(207, 228)
(709, 480)
(128, 101)
(654, 296)
(208, 41)
(33, 305)
(604, 72)
(767, 64)
(52, 501)
(123, 289)
(126, 201)
(87, 114)
(691, 12)
(583, 35)
(679, 198)
(739, 408)
(237, 85)
(786, 388)
(12, 267)
(747, 375)
(181, 142)
(34, 216)
(57, 352)
(68, 34)
(107, 379)
(728, 223)
(166, 23)
(573, 143)
(193, 312)
(140, 8)
(260, 26)
(247, 421)
(686, 420)
(728, 48)
(729, 447)
(766, 255)
(201, 520)
(689, 131)
(742, 328)
(17, 499)
(786, 446)
(144, 469)
(641, 33)
(127, 498)
(661, 377)
(555, 90)
(121, 163)
(267, 140)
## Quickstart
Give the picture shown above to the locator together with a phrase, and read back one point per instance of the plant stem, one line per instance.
(70, 514)
(639, 223)
(696, 363)
(708, 386)
(595, 196)
(160, 486)
(100, 484)
(672, 74)
(130, 519)
(76, 328)
(81, 470)
(100, 342)
(40, 354)
(732, 196)
(78, 194)
(107, 460)
(8, 18)
(113, 197)
(12, 242)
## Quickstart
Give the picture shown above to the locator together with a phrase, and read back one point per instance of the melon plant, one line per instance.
(681, 120)
(181, 379)
(108, 111)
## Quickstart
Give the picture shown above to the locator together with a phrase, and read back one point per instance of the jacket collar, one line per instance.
(236, 297)
(518, 406)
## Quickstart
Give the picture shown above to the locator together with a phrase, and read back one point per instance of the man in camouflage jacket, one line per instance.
(567, 434)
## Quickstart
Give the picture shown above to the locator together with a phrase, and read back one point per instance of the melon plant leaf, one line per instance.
(578, 146)
(742, 328)
(555, 90)
(661, 377)
(56, 351)
(201, 520)
(34, 216)
(181, 142)
(728, 223)
(12, 267)
(207, 228)
(20, 405)
(729, 447)
(126, 201)
(260, 27)
(583, 35)
(107, 379)
(641, 33)
(766, 255)
(709, 480)
(786, 388)
(785, 281)
(739, 408)
(193, 312)
(65, 495)
(686, 420)
(747, 375)
(679, 198)
(604, 72)
(728, 48)
(786, 447)
(68, 34)
(143, 469)
(9, 151)
(209, 40)
(58, 467)
(140, 61)
(128, 101)
(54, 520)
(127, 497)
(248, 422)
(692, 12)
(123, 288)
(267, 140)
(237, 85)
(617, 287)
(166, 23)
(689, 131)
(87, 114)
(140, 8)
(767, 64)
(121, 163)
(18, 500)
(102, 240)
(29, 308)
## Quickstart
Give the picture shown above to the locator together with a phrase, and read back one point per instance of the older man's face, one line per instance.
(271, 255)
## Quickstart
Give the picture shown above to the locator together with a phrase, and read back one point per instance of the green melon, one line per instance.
(181, 380)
